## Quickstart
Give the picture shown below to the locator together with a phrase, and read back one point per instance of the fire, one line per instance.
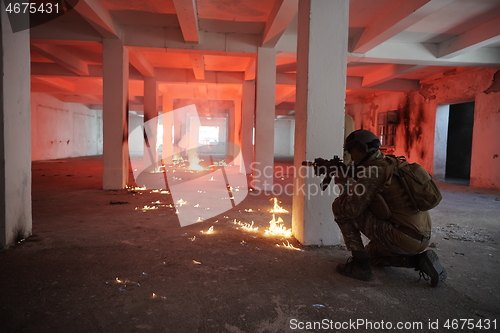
(246, 226)
(160, 191)
(250, 210)
(277, 208)
(276, 228)
(289, 246)
(134, 188)
(126, 282)
(146, 207)
(158, 169)
(155, 296)
(209, 231)
(194, 162)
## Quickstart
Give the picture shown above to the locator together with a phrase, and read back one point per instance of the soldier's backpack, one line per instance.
(417, 182)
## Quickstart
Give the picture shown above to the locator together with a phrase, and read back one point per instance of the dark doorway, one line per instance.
(459, 147)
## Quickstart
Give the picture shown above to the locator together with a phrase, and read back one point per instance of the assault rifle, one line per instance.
(329, 168)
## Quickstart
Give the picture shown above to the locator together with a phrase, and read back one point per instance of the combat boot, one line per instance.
(357, 267)
(429, 266)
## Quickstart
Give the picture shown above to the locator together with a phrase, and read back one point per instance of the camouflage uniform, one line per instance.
(388, 245)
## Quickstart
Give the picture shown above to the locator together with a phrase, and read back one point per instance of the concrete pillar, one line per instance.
(234, 147)
(319, 117)
(167, 122)
(263, 169)
(15, 134)
(115, 114)
(150, 121)
(247, 123)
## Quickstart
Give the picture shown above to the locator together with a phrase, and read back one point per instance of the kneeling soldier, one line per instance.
(398, 232)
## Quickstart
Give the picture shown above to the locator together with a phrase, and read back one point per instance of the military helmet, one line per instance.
(365, 140)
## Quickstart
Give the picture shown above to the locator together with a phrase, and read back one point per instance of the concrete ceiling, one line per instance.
(206, 48)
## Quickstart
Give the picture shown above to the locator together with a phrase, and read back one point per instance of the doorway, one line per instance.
(453, 142)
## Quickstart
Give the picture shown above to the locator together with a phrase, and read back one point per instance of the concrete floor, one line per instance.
(64, 279)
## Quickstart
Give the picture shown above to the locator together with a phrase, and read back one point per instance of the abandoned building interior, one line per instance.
(245, 91)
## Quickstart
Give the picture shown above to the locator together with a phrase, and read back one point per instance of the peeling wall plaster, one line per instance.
(417, 115)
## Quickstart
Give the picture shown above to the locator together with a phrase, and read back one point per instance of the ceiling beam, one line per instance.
(250, 70)
(61, 57)
(60, 84)
(356, 82)
(281, 15)
(424, 54)
(80, 86)
(178, 76)
(171, 40)
(388, 72)
(397, 19)
(286, 78)
(290, 67)
(472, 39)
(56, 70)
(198, 63)
(83, 99)
(203, 91)
(99, 17)
(139, 61)
(286, 95)
(284, 106)
(188, 19)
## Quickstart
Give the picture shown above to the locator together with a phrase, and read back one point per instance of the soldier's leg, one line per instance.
(358, 266)
(380, 256)
(351, 234)
(382, 251)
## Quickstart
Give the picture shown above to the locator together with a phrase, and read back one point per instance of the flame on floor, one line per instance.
(158, 169)
(161, 191)
(194, 162)
(146, 207)
(246, 226)
(277, 208)
(181, 202)
(277, 228)
(289, 246)
(155, 296)
(209, 231)
(136, 188)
